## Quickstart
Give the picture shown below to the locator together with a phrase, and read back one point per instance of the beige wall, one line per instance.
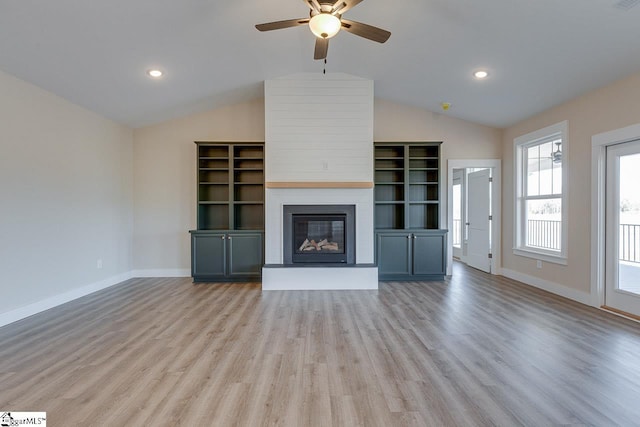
(65, 197)
(165, 176)
(461, 139)
(165, 181)
(608, 108)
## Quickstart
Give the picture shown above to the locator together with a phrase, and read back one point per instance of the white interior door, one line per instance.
(622, 286)
(478, 222)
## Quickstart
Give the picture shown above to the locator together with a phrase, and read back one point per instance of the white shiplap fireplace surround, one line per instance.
(319, 151)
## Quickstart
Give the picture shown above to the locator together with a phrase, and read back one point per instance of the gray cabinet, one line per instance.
(228, 244)
(411, 255)
(409, 243)
(226, 256)
(394, 254)
(245, 255)
(208, 255)
(429, 250)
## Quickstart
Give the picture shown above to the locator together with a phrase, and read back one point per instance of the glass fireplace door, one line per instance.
(319, 238)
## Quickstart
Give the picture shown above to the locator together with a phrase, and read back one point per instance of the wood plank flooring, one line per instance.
(472, 350)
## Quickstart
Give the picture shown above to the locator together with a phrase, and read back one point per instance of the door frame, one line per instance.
(496, 208)
(599, 145)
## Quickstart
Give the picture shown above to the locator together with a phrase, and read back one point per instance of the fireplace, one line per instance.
(319, 234)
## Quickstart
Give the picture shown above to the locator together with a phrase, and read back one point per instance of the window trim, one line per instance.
(519, 145)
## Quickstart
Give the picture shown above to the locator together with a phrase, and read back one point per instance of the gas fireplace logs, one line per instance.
(322, 245)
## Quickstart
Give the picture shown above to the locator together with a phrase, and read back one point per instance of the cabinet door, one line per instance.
(429, 254)
(208, 255)
(393, 254)
(245, 254)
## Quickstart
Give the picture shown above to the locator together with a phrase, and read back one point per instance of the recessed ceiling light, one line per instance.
(481, 74)
(154, 73)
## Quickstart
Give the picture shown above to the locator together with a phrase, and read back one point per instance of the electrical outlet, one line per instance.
(325, 165)
(99, 263)
(538, 264)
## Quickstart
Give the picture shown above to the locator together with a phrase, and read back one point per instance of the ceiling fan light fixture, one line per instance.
(324, 25)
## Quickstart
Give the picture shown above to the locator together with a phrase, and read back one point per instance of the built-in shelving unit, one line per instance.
(213, 187)
(248, 187)
(390, 185)
(228, 243)
(409, 243)
(424, 186)
(230, 186)
(407, 186)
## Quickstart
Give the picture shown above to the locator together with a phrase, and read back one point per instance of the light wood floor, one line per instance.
(473, 350)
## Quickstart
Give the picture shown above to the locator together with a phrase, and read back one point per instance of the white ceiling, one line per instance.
(539, 52)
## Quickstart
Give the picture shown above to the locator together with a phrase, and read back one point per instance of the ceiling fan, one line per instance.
(325, 20)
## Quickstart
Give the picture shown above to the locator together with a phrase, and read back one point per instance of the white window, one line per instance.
(540, 194)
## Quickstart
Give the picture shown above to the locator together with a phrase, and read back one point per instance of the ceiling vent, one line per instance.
(626, 4)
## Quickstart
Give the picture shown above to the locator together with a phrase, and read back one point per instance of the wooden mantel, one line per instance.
(319, 184)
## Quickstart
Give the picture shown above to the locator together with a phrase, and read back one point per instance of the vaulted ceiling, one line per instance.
(538, 53)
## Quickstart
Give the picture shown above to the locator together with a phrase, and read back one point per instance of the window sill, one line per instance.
(542, 256)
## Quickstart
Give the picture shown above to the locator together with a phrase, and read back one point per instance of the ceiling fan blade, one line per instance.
(322, 47)
(341, 6)
(277, 25)
(313, 5)
(367, 31)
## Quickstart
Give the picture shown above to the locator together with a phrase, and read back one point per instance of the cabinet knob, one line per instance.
(222, 237)
(409, 236)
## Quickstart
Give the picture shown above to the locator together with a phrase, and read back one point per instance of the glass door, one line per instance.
(622, 289)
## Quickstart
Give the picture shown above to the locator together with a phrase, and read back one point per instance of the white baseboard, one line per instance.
(169, 272)
(46, 304)
(554, 288)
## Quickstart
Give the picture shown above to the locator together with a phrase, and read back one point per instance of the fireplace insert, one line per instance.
(319, 234)
(318, 237)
